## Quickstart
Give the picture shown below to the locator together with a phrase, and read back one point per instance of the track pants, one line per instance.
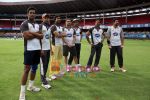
(78, 49)
(95, 49)
(44, 61)
(113, 51)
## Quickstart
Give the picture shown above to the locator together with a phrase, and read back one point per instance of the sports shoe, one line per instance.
(48, 79)
(53, 77)
(96, 69)
(79, 64)
(33, 89)
(46, 86)
(122, 70)
(22, 96)
(68, 68)
(61, 74)
(112, 69)
(88, 69)
(78, 69)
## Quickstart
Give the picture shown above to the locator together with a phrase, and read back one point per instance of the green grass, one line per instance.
(132, 85)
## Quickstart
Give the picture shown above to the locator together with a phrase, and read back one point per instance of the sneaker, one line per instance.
(96, 69)
(78, 69)
(88, 69)
(46, 86)
(79, 64)
(33, 89)
(112, 69)
(53, 77)
(68, 68)
(22, 96)
(48, 79)
(122, 70)
(61, 74)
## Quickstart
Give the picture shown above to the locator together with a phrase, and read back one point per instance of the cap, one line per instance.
(45, 15)
(76, 20)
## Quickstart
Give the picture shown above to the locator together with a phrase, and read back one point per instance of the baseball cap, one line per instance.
(76, 20)
(45, 15)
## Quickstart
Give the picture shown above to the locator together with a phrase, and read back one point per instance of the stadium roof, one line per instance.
(66, 6)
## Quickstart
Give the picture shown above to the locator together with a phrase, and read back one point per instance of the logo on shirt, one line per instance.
(69, 35)
(47, 36)
(77, 34)
(115, 34)
(97, 35)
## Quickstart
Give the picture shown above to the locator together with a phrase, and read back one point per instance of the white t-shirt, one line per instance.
(46, 38)
(33, 44)
(115, 34)
(69, 38)
(55, 40)
(96, 35)
(78, 35)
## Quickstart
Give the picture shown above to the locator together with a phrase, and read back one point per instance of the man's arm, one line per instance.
(25, 31)
(51, 51)
(54, 31)
(30, 35)
(26, 34)
(122, 38)
(81, 35)
(108, 34)
(74, 37)
(40, 31)
(51, 47)
(64, 41)
(87, 37)
(59, 35)
(103, 36)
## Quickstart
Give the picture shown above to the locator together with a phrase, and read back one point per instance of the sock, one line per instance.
(31, 82)
(23, 88)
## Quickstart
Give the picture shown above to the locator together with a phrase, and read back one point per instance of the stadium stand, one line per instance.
(135, 20)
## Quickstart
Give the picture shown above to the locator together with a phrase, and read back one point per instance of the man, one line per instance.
(69, 45)
(116, 43)
(32, 50)
(97, 38)
(78, 39)
(56, 58)
(45, 53)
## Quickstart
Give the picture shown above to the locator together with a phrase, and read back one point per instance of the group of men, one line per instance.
(45, 43)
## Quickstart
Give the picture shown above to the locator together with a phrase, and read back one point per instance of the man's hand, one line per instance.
(122, 46)
(28, 35)
(63, 34)
(51, 52)
(91, 44)
(109, 46)
(70, 45)
(42, 53)
(40, 36)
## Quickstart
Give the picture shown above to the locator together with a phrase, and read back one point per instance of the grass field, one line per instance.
(132, 85)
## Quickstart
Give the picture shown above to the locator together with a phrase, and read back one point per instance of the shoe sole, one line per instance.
(45, 87)
(33, 91)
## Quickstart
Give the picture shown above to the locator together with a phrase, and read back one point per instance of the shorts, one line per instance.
(32, 57)
(67, 49)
